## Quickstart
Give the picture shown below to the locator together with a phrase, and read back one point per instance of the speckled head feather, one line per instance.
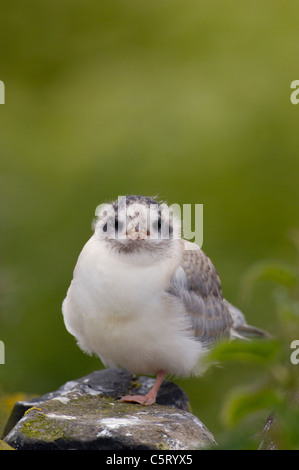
(136, 199)
(153, 216)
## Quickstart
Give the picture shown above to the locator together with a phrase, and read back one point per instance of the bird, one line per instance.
(145, 299)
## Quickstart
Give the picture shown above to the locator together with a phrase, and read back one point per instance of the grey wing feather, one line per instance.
(198, 286)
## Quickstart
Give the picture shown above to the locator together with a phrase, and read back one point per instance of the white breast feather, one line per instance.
(117, 308)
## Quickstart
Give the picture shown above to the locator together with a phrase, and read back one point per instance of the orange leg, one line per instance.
(150, 397)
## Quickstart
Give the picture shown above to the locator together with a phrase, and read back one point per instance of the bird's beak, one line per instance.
(136, 231)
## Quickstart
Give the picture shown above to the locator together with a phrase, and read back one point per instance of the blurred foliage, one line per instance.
(187, 100)
(275, 391)
(7, 402)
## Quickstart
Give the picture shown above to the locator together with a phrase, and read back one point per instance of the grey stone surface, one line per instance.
(86, 414)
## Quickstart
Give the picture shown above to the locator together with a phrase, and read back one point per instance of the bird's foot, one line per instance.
(145, 400)
(150, 397)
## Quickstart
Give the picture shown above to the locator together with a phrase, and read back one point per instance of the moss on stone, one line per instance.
(135, 384)
(162, 446)
(40, 427)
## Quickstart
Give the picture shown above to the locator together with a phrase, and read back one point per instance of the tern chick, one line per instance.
(145, 299)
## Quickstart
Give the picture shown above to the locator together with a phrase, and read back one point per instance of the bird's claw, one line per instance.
(144, 400)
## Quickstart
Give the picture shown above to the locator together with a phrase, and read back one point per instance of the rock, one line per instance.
(85, 414)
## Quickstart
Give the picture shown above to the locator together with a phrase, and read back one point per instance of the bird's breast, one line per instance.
(117, 286)
(119, 309)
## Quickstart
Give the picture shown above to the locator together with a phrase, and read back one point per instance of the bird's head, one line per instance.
(137, 223)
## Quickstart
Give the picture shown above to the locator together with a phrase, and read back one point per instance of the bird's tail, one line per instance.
(240, 328)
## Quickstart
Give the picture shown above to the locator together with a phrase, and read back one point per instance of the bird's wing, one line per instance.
(197, 284)
(240, 327)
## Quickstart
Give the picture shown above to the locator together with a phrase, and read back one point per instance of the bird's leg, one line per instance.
(150, 397)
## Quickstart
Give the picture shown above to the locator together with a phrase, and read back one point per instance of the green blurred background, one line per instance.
(189, 100)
